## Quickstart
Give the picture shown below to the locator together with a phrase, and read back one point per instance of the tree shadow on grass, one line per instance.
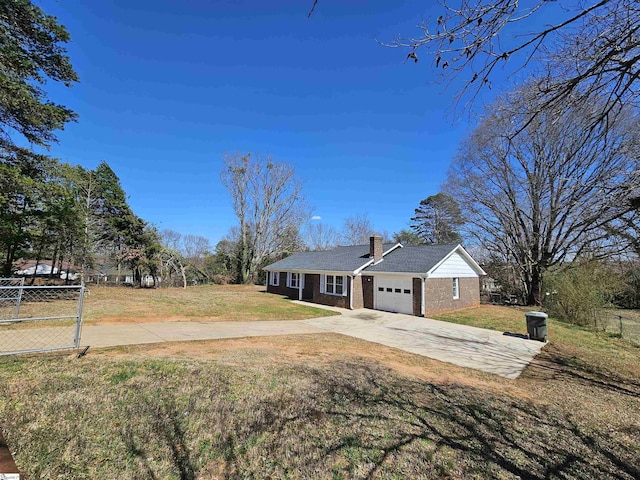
(551, 363)
(373, 424)
(355, 419)
(165, 431)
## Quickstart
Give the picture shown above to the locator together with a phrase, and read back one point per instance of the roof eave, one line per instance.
(458, 248)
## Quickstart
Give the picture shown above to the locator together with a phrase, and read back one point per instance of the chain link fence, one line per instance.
(623, 324)
(39, 319)
(10, 297)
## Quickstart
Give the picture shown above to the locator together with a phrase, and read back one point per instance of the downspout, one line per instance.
(423, 281)
(351, 294)
(300, 280)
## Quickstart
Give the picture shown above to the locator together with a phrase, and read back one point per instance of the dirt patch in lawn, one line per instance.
(322, 348)
(111, 320)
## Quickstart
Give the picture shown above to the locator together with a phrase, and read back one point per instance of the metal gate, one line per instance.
(39, 319)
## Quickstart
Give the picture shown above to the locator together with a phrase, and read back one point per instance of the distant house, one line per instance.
(44, 268)
(418, 280)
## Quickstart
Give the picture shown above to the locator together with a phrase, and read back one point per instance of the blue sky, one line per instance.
(168, 87)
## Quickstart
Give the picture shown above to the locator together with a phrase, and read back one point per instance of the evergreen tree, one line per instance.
(437, 219)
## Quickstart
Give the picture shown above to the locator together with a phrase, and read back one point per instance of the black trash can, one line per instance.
(537, 325)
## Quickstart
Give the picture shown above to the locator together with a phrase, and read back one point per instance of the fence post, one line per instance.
(76, 340)
(19, 299)
(620, 320)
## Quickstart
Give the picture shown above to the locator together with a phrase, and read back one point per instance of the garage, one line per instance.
(393, 294)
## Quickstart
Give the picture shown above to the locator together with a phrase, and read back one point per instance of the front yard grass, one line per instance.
(210, 303)
(324, 407)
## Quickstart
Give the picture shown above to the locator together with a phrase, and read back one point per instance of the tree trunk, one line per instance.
(54, 258)
(534, 287)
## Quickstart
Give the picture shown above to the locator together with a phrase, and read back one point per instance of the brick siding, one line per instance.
(282, 289)
(358, 293)
(331, 300)
(439, 294)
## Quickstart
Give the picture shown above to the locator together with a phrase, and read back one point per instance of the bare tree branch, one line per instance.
(594, 50)
(549, 194)
(268, 201)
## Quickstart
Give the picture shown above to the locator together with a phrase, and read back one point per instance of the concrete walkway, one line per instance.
(486, 350)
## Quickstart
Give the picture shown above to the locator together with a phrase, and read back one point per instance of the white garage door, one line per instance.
(393, 294)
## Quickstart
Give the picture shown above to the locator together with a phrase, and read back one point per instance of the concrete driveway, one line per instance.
(486, 350)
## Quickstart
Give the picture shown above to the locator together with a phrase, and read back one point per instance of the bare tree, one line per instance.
(321, 236)
(193, 250)
(357, 230)
(590, 49)
(548, 194)
(171, 239)
(267, 199)
(195, 247)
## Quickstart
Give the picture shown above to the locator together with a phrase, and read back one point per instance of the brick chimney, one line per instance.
(375, 247)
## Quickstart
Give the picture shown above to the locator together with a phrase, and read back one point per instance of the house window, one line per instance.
(334, 285)
(293, 280)
(274, 278)
(456, 288)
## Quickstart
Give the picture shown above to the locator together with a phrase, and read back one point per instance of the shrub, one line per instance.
(630, 295)
(581, 290)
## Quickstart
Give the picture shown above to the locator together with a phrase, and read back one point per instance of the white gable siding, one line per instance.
(454, 267)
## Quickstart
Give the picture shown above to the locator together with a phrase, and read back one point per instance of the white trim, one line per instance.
(323, 285)
(456, 288)
(466, 256)
(423, 294)
(274, 279)
(299, 277)
(300, 285)
(395, 274)
(357, 271)
(397, 245)
(351, 294)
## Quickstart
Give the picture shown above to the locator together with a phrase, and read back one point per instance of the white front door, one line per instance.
(393, 294)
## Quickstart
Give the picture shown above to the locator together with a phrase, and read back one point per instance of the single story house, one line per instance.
(44, 268)
(418, 280)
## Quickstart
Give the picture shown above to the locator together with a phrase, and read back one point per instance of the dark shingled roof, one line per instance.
(413, 259)
(340, 259)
